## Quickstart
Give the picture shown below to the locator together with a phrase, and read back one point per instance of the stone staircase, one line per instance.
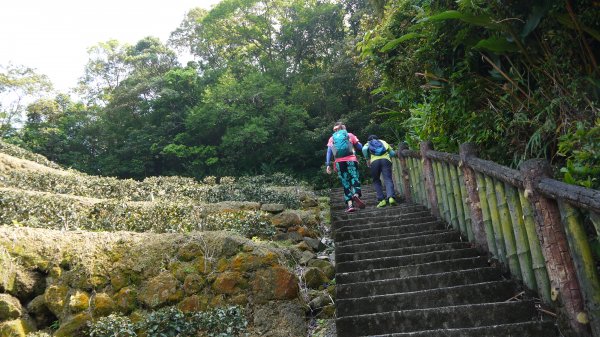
(402, 272)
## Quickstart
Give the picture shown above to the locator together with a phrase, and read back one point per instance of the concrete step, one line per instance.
(436, 229)
(417, 283)
(420, 239)
(449, 317)
(412, 270)
(357, 256)
(381, 221)
(370, 212)
(487, 292)
(410, 226)
(406, 260)
(524, 329)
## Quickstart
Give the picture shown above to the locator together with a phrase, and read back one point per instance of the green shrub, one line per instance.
(112, 326)
(166, 322)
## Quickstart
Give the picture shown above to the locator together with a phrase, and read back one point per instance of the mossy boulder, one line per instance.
(193, 284)
(160, 290)
(326, 267)
(10, 307)
(102, 305)
(272, 208)
(74, 326)
(16, 328)
(193, 303)
(244, 262)
(55, 297)
(190, 251)
(276, 283)
(286, 219)
(315, 278)
(280, 319)
(229, 283)
(40, 313)
(126, 299)
(79, 301)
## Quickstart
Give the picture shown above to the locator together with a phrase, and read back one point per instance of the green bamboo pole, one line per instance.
(444, 198)
(460, 213)
(595, 218)
(410, 179)
(438, 188)
(422, 183)
(395, 175)
(450, 196)
(584, 263)
(495, 215)
(466, 208)
(485, 214)
(523, 251)
(413, 182)
(398, 172)
(537, 257)
(507, 230)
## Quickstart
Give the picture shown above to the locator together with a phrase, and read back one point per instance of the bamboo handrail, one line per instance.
(516, 218)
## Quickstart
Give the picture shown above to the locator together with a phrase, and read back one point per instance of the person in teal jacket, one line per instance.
(378, 155)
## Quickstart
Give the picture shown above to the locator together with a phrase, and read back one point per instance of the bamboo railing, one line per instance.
(532, 224)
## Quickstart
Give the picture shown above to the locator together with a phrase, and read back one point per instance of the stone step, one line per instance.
(524, 329)
(357, 256)
(487, 292)
(406, 260)
(403, 227)
(412, 270)
(421, 239)
(370, 212)
(380, 221)
(449, 317)
(417, 283)
(437, 229)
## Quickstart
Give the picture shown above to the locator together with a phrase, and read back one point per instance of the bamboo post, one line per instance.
(460, 214)
(522, 243)
(421, 175)
(429, 178)
(438, 189)
(559, 262)
(405, 172)
(485, 215)
(466, 210)
(413, 181)
(450, 196)
(396, 175)
(495, 216)
(584, 263)
(440, 173)
(537, 258)
(507, 230)
(479, 233)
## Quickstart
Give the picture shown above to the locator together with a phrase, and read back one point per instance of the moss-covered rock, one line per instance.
(16, 328)
(280, 319)
(79, 301)
(160, 290)
(126, 299)
(193, 284)
(74, 326)
(325, 266)
(286, 219)
(10, 307)
(244, 262)
(193, 303)
(56, 297)
(315, 278)
(229, 283)
(276, 283)
(190, 251)
(40, 313)
(102, 305)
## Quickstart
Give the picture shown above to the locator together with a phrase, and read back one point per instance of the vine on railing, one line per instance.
(532, 224)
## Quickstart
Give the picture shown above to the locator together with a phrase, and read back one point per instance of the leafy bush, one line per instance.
(172, 322)
(581, 148)
(21, 153)
(112, 326)
(248, 224)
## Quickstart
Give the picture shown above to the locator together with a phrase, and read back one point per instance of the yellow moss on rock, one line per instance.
(74, 326)
(126, 299)
(79, 301)
(55, 297)
(102, 304)
(16, 328)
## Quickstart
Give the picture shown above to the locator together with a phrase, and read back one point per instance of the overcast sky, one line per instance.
(53, 36)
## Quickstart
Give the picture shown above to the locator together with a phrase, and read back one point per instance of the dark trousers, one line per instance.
(348, 174)
(383, 167)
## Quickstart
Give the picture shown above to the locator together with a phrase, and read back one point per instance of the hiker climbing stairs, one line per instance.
(402, 272)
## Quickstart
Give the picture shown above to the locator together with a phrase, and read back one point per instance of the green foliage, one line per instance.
(166, 322)
(505, 76)
(248, 224)
(221, 322)
(112, 326)
(581, 147)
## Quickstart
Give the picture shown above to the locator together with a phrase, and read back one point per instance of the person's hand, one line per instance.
(328, 169)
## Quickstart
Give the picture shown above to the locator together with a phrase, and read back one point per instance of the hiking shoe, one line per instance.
(350, 209)
(392, 201)
(382, 203)
(359, 203)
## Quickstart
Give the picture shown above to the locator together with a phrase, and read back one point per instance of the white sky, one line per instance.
(53, 36)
